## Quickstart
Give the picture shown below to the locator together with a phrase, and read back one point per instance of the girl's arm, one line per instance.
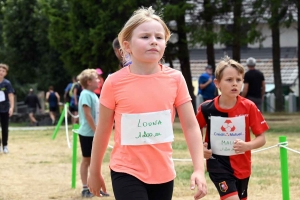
(193, 138)
(75, 96)
(89, 117)
(100, 142)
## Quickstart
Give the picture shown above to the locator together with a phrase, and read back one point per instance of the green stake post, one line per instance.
(284, 170)
(74, 156)
(60, 121)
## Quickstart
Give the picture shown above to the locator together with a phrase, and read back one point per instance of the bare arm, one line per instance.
(193, 138)
(89, 117)
(75, 96)
(245, 90)
(47, 95)
(204, 85)
(240, 146)
(12, 103)
(58, 97)
(100, 142)
(263, 89)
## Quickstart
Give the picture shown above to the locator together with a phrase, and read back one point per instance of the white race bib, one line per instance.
(224, 131)
(146, 128)
(2, 96)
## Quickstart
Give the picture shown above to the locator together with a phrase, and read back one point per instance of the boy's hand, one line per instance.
(198, 179)
(207, 152)
(240, 146)
(10, 112)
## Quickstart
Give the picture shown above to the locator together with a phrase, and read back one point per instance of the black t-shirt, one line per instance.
(254, 78)
(32, 101)
(5, 89)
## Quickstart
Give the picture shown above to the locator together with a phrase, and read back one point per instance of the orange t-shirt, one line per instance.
(128, 93)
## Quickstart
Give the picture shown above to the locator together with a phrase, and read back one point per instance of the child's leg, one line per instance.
(86, 150)
(242, 186)
(128, 187)
(4, 118)
(85, 163)
(162, 191)
(226, 185)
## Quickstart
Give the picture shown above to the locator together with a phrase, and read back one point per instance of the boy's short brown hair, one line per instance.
(4, 66)
(226, 62)
(87, 75)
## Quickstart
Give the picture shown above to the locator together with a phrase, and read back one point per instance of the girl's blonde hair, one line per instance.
(227, 62)
(87, 75)
(140, 16)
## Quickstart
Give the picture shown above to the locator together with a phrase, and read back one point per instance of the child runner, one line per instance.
(142, 98)
(6, 105)
(88, 114)
(228, 119)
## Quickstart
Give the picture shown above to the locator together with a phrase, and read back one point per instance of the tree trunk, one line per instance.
(210, 52)
(279, 106)
(184, 58)
(208, 18)
(236, 43)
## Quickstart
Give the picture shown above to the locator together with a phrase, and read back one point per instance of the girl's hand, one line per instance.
(95, 184)
(198, 179)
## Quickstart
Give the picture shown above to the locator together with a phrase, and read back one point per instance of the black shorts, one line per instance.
(228, 185)
(53, 109)
(31, 110)
(128, 187)
(86, 144)
(73, 108)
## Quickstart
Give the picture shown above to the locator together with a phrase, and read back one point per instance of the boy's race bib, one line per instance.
(223, 132)
(146, 128)
(2, 96)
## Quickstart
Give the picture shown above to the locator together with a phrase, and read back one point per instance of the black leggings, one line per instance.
(128, 187)
(4, 117)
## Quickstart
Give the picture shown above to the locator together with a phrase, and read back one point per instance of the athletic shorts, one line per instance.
(73, 108)
(128, 187)
(86, 145)
(228, 185)
(53, 109)
(31, 110)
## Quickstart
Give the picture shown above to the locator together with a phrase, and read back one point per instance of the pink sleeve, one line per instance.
(183, 95)
(107, 94)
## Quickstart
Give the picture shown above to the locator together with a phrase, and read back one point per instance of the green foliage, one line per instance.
(26, 48)
(83, 31)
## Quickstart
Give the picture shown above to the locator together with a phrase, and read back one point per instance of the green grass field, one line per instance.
(39, 168)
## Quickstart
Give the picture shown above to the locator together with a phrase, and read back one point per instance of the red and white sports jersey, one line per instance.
(238, 165)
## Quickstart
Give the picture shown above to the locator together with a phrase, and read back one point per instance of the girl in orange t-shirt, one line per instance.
(141, 98)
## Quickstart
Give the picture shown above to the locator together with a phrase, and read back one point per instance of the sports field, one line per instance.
(39, 168)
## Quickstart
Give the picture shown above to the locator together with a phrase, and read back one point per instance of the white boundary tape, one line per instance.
(282, 144)
(66, 126)
(72, 114)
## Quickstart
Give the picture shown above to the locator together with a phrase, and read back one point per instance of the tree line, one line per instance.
(46, 42)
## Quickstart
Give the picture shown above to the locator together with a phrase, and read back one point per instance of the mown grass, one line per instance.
(40, 168)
